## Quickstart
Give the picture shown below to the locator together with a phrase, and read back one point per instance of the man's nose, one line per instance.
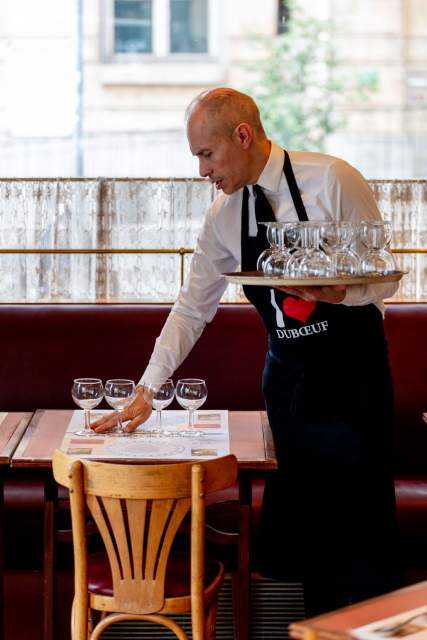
(204, 170)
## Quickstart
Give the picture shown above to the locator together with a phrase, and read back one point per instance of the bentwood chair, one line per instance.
(138, 510)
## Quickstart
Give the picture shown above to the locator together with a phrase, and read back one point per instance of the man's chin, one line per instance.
(228, 190)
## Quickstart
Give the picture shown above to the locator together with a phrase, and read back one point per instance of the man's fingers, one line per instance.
(334, 293)
(293, 291)
(138, 419)
(110, 419)
(137, 413)
(106, 423)
(305, 293)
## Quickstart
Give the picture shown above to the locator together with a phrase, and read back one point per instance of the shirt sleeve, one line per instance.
(196, 304)
(351, 199)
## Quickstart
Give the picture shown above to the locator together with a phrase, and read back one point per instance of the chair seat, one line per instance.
(178, 574)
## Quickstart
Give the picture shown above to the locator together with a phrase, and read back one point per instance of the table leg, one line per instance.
(2, 526)
(48, 568)
(243, 576)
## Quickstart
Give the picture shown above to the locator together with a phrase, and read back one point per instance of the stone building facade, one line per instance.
(132, 102)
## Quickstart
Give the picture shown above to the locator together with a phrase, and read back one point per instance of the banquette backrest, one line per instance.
(43, 347)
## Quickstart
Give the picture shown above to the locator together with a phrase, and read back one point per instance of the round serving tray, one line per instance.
(257, 278)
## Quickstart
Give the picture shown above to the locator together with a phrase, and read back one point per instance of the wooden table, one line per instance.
(12, 427)
(337, 625)
(250, 441)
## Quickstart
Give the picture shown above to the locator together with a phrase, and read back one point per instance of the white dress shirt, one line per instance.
(331, 190)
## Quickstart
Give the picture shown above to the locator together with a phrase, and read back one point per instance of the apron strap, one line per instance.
(252, 246)
(293, 188)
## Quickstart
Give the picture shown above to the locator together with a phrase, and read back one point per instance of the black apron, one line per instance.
(329, 513)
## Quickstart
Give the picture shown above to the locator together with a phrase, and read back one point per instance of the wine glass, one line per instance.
(191, 393)
(87, 393)
(301, 248)
(336, 239)
(160, 397)
(315, 263)
(119, 393)
(376, 236)
(273, 240)
(287, 237)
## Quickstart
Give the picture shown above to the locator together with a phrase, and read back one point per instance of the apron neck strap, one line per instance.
(293, 188)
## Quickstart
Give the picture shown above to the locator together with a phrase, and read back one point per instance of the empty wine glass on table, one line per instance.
(119, 393)
(191, 393)
(87, 393)
(160, 397)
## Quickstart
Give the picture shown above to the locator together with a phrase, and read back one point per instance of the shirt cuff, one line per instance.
(154, 375)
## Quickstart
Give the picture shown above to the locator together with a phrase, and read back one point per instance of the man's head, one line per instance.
(225, 132)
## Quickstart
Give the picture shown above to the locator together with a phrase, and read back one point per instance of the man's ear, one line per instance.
(243, 134)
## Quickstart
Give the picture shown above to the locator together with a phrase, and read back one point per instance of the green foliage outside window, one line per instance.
(299, 86)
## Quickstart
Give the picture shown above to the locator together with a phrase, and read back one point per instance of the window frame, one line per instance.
(161, 36)
(136, 22)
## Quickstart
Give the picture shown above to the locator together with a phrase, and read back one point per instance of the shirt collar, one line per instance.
(272, 173)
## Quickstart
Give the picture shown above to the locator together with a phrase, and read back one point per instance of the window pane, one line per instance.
(188, 28)
(132, 39)
(283, 16)
(132, 26)
(133, 9)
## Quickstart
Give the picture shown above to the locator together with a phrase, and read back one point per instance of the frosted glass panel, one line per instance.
(150, 215)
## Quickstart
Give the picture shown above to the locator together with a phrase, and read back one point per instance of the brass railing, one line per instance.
(181, 251)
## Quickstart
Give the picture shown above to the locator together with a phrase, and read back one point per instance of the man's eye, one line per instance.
(208, 154)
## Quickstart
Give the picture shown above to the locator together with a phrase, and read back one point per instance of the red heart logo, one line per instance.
(298, 308)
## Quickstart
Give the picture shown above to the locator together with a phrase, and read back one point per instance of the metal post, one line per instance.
(78, 124)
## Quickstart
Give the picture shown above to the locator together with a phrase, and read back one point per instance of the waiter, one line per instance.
(329, 514)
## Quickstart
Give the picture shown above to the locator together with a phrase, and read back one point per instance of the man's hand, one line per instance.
(333, 294)
(137, 412)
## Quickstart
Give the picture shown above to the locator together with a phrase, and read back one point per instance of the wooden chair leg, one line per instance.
(113, 618)
(210, 620)
(48, 569)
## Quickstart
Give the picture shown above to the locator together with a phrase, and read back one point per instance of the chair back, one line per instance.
(138, 510)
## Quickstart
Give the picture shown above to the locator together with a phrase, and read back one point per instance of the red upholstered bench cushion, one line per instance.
(411, 498)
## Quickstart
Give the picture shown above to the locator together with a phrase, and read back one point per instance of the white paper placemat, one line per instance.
(411, 625)
(142, 445)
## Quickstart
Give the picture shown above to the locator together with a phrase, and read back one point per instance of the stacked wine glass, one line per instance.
(327, 249)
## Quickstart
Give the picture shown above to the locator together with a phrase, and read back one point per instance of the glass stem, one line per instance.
(159, 418)
(119, 420)
(87, 420)
(191, 418)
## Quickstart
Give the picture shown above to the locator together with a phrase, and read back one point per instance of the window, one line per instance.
(283, 16)
(132, 26)
(168, 42)
(159, 27)
(188, 26)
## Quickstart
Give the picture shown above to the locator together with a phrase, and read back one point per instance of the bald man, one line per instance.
(329, 514)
